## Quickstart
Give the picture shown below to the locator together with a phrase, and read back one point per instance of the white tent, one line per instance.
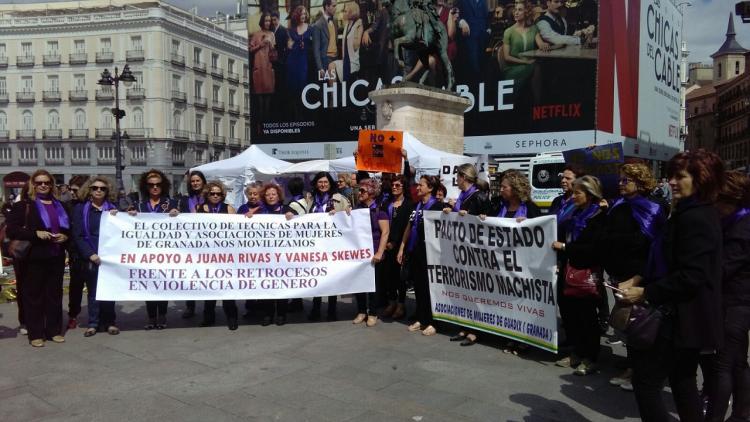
(251, 165)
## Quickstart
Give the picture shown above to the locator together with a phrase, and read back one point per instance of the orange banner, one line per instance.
(380, 151)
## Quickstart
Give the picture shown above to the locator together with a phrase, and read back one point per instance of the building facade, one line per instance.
(188, 106)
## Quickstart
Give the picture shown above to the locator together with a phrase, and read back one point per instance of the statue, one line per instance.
(416, 26)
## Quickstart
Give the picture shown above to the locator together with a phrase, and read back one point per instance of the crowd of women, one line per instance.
(681, 271)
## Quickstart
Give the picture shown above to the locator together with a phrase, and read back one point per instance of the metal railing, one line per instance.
(78, 95)
(200, 102)
(26, 134)
(135, 56)
(105, 57)
(78, 134)
(177, 59)
(136, 94)
(24, 61)
(52, 134)
(52, 96)
(78, 58)
(51, 59)
(179, 96)
(217, 72)
(105, 94)
(25, 97)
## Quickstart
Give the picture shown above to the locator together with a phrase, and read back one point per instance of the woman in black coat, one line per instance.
(515, 197)
(42, 220)
(399, 209)
(686, 283)
(578, 308)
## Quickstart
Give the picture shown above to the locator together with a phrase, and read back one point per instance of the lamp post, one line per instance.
(127, 78)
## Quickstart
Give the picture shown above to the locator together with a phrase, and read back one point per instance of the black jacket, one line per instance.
(625, 244)
(532, 211)
(736, 264)
(584, 252)
(40, 249)
(692, 286)
(478, 203)
(399, 221)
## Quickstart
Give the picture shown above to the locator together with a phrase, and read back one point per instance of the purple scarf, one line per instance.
(320, 204)
(566, 209)
(214, 209)
(106, 206)
(646, 213)
(266, 209)
(520, 212)
(464, 195)
(734, 217)
(580, 219)
(62, 216)
(416, 219)
(194, 201)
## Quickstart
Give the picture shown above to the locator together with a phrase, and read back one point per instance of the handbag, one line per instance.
(640, 324)
(19, 249)
(581, 282)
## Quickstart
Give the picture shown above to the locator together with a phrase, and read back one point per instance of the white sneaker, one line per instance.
(627, 386)
(23, 331)
(622, 378)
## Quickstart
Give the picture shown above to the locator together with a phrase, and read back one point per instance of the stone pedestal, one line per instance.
(434, 116)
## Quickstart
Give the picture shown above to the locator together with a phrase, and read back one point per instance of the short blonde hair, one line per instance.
(468, 171)
(641, 175)
(519, 184)
(86, 188)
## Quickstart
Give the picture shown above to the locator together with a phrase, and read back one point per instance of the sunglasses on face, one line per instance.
(42, 183)
(214, 194)
(99, 189)
(397, 185)
(362, 191)
(153, 185)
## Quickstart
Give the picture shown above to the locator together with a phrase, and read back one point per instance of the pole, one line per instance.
(118, 140)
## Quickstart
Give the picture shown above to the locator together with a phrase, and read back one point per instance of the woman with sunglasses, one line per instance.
(398, 209)
(253, 204)
(154, 187)
(42, 220)
(87, 216)
(195, 184)
(213, 203)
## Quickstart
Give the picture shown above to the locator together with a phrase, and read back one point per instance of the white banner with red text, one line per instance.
(220, 256)
(496, 275)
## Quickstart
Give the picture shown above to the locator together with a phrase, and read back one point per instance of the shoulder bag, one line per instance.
(581, 282)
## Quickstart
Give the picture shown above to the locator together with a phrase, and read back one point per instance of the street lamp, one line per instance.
(127, 79)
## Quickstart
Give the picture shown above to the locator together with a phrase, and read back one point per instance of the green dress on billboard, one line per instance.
(519, 42)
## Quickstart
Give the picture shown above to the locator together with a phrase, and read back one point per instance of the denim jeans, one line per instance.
(101, 313)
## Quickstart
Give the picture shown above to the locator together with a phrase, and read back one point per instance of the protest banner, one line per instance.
(602, 161)
(449, 169)
(380, 151)
(219, 256)
(496, 275)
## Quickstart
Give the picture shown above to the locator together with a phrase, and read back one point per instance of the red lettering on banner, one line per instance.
(251, 257)
(556, 110)
(351, 255)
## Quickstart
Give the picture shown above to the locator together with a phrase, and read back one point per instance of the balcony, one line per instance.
(217, 105)
(52, 134)
(136, 94)
(246, 112)
(25, 97)
(78, 134)
(25, 61)
(80, 161)
(137, 132)
(51, 60)
(78, 58)
(105, 57)
(135, 56)
(233, 109)
(245, 81)
(107, 161)
(3, 62)
(200, 102)
(4, 98)
(4, 135)
(177, 59)
(178, 161)
(104, 133)
(201, 138)
(78, 95)
(219, 140)
(27, 161)
(234, 141)
(54, 161)
(179, 134)
(179, 96)
(51, 96)
(199, 67)
(217, 72)
(25, 134)
(233, 77)
(105, 94)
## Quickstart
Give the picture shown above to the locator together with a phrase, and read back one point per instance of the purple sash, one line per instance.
(106, 206)
(464, 195)
(734, 217)
(319, 205)
(277, 209)
(416, 219)
(580, 219)
(62, 216)
(194, 201)
(646, 213)
(520, 212)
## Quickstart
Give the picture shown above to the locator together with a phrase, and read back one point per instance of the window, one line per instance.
(214, 60)
(199, 123)
(177, 120)
(3, 85)
(197, 52)
(53, 83)
(53, 120)
(247, 102)
(178, 152)
(138, 84)
(232, 127)
(80, 153)
(217, 91)
(52, 49)
(230, 65)
(176, 83)
(137, 116)
(736, 68)
(245, 71)
(106, 153)
(3, 121)
(138, 152)
(247, 132)
(105, 45)
(217, 126)
(27, 153)
(105, 119)
(175, 47)
(136, 43)
(3, 50)
(199, 155)
(79, 119)
(79, 82)
(27, 84)
(718, 69)
(231, 97)
(79, 46)
(5, 154)
(55, 153)
(198, 89)
(27, 120)
(26, 49)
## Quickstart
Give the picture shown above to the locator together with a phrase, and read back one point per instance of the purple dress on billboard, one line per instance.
(297, 60)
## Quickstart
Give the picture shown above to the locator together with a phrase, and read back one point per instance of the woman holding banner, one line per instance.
(367, 303)
(273, 203)
(515, 195)
(399, 209)
(413, 242)
(253, 205)
(580, 299)
(195, 184)
(213, 203)
(154, 187)
(325, 198)
(100, 198)
(41, 220)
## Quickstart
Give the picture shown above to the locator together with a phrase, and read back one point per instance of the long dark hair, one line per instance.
(314, 186)
(143, 183)
(190, 190)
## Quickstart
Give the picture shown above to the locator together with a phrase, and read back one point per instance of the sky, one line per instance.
(705, 22)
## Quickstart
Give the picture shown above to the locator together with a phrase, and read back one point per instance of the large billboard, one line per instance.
(529, 70)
